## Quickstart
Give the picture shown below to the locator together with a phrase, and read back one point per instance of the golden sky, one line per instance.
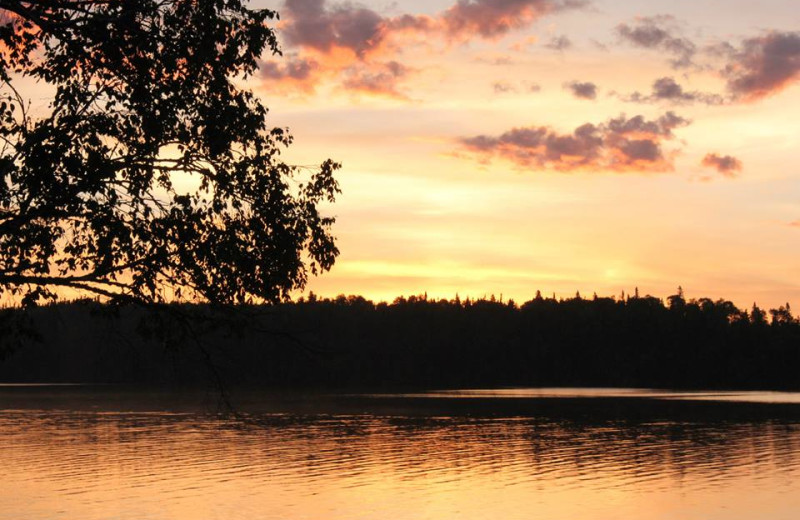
(505, 146)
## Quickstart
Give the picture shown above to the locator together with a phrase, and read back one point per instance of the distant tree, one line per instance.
(782, 315)
(677, 301)
(758, 316)
(151, 175)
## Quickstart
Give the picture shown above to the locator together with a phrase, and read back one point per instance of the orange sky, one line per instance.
(505, 147)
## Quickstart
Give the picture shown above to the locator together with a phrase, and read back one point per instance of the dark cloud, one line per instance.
(410, 22)
(322, 26)
(493, 18)
(560, 43)
(659, 32)
(299, 69)
(668, 90)
(638, 125)
(582, 90)
(381, 79)
(620, 144)
(724, 164)
(292, 74)
(764, 65)
(312, 24)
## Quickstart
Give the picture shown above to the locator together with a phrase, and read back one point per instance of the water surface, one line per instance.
(551, 454)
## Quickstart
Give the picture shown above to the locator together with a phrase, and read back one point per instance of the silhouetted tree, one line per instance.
(757, 316)
(424, 342)
(151, 175)
(417, 341)
(782, 315)
(677, 302)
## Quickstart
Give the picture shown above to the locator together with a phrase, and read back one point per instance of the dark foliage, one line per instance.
(151, 175)
(416, 342)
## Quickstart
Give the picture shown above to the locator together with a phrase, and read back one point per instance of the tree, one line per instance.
(782, 315)
(151, 175)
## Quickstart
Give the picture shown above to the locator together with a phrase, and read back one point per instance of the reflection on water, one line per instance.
(161, 465)
(510, 393)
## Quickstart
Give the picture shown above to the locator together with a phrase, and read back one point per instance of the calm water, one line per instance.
(549, 454)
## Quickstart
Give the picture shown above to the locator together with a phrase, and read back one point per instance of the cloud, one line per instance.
(381, 79)
(318, 25)
(503, 87)
(292, 73)
(312, 24)
(496, 60)
(659, 33)
(755, 69)
(293, 68)
(582, 90)
(494, 18)
(668, 90)
(795, 224)
(726, 165)
(350, 41)
(764, 65)
(560, 43)
(620, 144)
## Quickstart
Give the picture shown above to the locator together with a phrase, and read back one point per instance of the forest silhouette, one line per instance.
(414, 342)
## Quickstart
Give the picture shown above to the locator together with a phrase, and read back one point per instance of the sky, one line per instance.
(508, 146)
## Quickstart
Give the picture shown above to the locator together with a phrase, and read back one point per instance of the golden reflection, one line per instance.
(101, 465)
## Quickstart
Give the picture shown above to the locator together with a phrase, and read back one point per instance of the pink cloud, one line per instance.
(357, 43)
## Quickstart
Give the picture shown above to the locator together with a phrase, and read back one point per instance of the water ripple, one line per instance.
(63, 464)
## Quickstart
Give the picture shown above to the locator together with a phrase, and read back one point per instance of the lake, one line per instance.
(106, 453)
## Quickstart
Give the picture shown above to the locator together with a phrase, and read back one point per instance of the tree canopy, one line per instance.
(152, 174)
(421, 342)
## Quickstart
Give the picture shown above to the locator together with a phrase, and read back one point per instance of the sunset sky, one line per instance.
(564, 145)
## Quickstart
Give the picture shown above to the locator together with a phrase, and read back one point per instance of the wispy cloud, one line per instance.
(559, 43)
(667, 90)
(661, 33)
(503, 87)
(380, 79)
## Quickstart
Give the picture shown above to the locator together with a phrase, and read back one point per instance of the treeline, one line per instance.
(350, 342)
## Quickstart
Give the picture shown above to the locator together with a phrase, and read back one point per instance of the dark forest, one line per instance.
(415, 342)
